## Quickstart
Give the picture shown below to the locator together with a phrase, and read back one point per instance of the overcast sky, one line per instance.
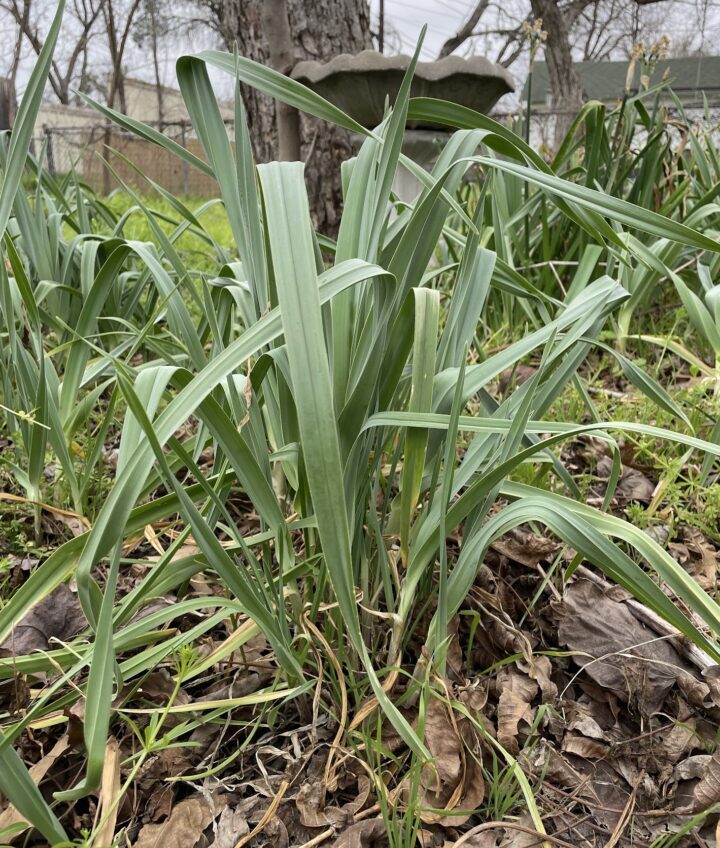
(690, 24)
(404, 19)
(679, 19)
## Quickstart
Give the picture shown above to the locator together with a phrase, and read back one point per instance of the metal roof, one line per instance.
(689, 77)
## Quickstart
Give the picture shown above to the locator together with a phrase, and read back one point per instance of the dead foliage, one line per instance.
(608, 716)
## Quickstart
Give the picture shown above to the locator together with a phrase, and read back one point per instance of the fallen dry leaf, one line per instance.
(622, 655)
(679, 740)
(486, 839)
(365, 834)
(633, 484)
(312, 814)
(231, 826)
(57, 616)
(693, 768)
(539, 669)
(454, 780)
(712, 678)
(528, 551)
(517, 375)
(158, 687)
(76, 524)
(705, 568)
(186, 550)
(695, 690)
(526, 838)
(581, 746)
(580, 718)
(707, 792)
(551, 764)
(517, 692)
(109, 789)
(183, 826)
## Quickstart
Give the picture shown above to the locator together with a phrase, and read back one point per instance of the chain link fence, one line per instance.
(92, 152)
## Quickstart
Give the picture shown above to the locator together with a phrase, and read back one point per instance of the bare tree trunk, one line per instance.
(8, 87)
(7, 103)
(154, 40)
(117, 33)
(85, 14)
(565, 85)
(276, 25)
(319, 29)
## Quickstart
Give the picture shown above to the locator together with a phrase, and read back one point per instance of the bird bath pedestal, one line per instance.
(360, 84)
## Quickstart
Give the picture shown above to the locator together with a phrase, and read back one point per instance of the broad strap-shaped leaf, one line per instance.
(20, 789)
(614, 208)
(281, 87)
(290, 236)
(234, 172)
(582, 535)
(427, 318)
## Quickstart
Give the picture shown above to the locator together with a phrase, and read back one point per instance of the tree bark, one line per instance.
(567, 92)
(319, 29)
(151, 10)
(565, 85)
(276, 25)
(117, 42)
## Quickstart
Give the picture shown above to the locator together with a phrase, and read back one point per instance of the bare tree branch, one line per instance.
(60, 80)
(465, 31)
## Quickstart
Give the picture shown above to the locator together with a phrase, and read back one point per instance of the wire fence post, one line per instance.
(185, 166)
(49, 148)
(7, 104)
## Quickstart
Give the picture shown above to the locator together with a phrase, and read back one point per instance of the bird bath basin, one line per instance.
(360, 84)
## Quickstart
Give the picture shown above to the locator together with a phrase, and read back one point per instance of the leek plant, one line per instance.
(333, 395)
(639, 152)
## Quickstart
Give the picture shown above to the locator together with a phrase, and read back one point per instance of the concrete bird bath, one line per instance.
(359, 85)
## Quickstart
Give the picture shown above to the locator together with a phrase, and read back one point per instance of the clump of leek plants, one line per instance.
(333, 395)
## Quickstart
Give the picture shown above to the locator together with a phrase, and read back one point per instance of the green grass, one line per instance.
(193, 249)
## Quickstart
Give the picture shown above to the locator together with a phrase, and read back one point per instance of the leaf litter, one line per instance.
(610, 717)
(612, 724)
